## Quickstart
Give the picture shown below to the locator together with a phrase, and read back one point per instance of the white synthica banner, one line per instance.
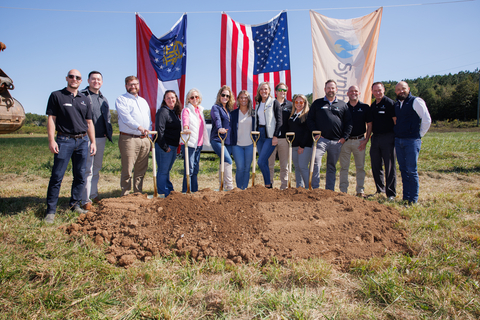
(345, 51)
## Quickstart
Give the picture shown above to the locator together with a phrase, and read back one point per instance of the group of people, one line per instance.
(82, 122)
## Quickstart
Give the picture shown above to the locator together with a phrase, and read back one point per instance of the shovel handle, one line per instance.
(254, 140)
(185, 142)
(312, 161)
(290, 136)
(186, 157)
(154, 164)
(256, 134)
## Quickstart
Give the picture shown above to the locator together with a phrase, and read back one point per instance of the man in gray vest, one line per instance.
(412, 123)
(103, 131)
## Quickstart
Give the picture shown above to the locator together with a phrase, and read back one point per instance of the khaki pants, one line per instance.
(134, 153)
(349, 147)
(282, 149)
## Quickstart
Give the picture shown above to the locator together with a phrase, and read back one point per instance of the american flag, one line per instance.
(252, 54)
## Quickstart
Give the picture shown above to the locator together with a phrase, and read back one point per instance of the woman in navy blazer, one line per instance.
(220, 114)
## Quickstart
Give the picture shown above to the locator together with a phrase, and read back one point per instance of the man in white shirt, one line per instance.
(412, 123)
(134, 122)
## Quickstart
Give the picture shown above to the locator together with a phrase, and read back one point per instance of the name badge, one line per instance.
(381, 111)
(325, 107)
(67, 104)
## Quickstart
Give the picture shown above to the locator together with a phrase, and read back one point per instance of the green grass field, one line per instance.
(45, 274)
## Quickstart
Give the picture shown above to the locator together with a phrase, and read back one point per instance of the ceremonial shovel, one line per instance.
(289, 135)
(222, 160)
(155, 192)
(187, 163)
(257, 134)
(312, 162)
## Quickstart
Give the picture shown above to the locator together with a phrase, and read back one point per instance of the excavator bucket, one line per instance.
(12, 114)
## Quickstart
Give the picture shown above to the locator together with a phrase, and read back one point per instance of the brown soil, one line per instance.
(256, 224)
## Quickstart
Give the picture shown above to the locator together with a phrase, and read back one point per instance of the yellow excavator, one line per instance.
(12, 114)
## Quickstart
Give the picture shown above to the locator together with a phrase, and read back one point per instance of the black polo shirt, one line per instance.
(382, 114)
(360, 116)
(71, 111)
(334, 121)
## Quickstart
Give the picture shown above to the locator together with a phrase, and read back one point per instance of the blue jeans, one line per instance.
(265, 149)
(193, 168)
(68, 148)
(217, 148)
(407, 156)
(332, 148)
(243, 160)
(165, 162)
(302, 168)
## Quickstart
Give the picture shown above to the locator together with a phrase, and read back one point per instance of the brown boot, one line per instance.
(87, 206)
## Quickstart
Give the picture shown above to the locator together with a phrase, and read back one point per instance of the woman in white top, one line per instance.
(242, 122)
(268, 120)
(193, 122)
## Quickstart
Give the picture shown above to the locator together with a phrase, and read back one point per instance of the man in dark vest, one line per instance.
(412, 123)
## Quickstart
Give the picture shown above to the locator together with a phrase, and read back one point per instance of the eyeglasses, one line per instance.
(194, 97)
(282, 90)
(225, 95)
(74, 77)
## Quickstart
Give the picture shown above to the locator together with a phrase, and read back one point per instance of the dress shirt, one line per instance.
(133, 112)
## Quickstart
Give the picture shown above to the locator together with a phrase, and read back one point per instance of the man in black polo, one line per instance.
(332, 117)
(361, 119)
(70, 114)
(382, 149)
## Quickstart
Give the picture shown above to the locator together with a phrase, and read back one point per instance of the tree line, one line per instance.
(448, 97)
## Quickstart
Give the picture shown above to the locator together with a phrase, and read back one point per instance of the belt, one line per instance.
(357, 137)
(74, 136)
(261, 126)
(132, 135)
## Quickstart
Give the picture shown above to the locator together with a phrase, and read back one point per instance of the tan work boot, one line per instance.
(228, 177)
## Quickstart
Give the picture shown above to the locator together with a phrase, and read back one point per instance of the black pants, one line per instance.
(382, 153)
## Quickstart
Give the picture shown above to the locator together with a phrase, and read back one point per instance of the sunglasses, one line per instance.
(282, 90)
(71, 76)
(194, 97)
(225, 95)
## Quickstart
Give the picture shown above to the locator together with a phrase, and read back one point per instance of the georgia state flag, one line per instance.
(161, 62)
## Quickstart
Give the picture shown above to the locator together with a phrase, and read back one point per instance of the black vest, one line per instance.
(408, 121)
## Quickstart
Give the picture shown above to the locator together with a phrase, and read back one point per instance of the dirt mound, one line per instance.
(256, 224)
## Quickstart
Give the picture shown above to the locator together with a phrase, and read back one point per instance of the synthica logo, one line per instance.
(343, 48)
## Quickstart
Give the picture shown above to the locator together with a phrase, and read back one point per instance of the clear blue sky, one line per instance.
(416, 40)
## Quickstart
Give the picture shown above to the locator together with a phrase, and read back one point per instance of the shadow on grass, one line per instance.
(16, 205)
